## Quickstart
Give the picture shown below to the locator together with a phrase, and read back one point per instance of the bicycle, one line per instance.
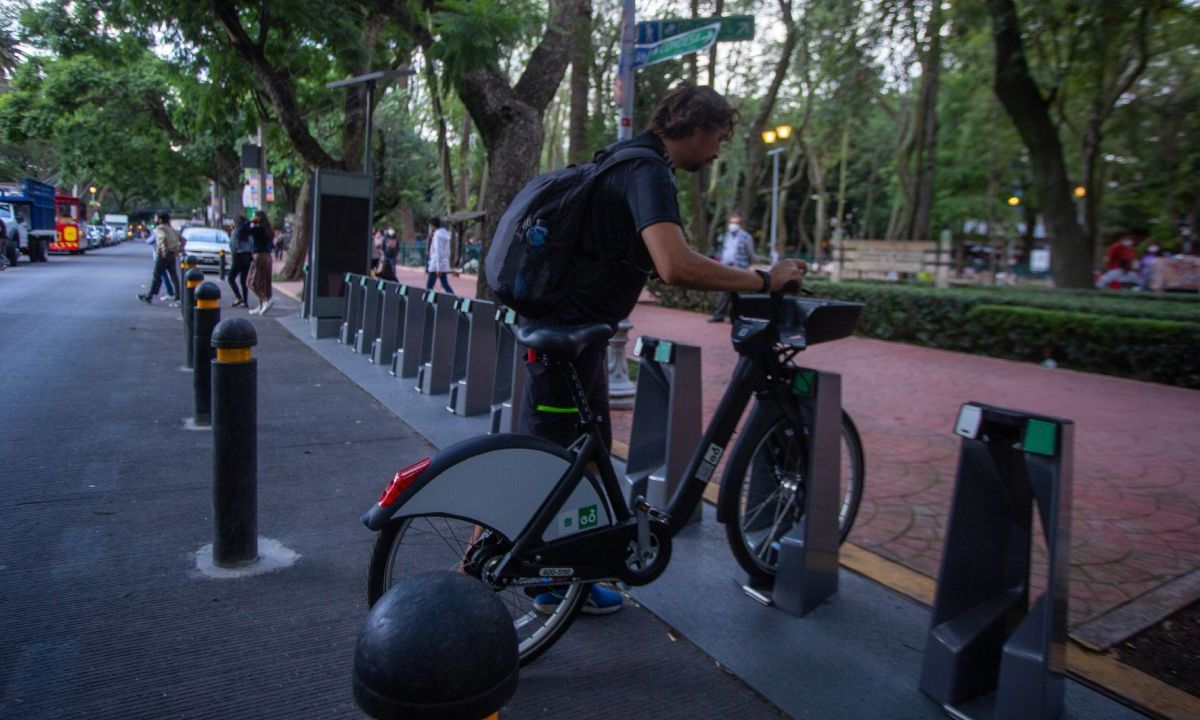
(556, 525)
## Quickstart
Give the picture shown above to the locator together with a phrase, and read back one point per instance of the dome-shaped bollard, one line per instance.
(437, 645)
(191, 281)
(235, 443)
(205, 316)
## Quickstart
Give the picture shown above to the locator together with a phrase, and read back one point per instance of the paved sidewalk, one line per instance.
(1135, 548)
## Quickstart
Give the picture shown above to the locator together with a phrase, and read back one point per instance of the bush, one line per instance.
(1083, 330)
(1157, 350)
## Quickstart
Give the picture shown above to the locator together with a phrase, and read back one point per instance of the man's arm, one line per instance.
(677, 264)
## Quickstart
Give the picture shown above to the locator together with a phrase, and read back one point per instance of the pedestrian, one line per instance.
(737, 250)
(632, 230)
(1121, 277)
(261, 237)
(386, 269)
(243, 255)
(167, 245)
(3, 245)
(1146, 271)
(439, 255)
(1120, 250)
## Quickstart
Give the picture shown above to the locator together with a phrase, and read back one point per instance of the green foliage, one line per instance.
(1148, 337)
(475, 34)
(1156, 350)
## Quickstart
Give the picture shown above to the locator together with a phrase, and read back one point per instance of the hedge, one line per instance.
(1081, 331)
(1164, 351)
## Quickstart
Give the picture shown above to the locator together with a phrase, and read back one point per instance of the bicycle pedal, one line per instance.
(651, 512)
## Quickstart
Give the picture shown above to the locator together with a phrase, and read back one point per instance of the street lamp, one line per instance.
(1014, 201)
(770, 137)
(1080, 191)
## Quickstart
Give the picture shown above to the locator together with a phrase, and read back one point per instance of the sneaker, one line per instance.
(716, 319)
(145, 298)
(267, 306)
(257, 310)
(601, 601)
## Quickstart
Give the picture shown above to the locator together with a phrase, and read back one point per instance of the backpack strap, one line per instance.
(629, 153)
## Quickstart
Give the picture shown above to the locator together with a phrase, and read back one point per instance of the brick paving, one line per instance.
(1136, 493)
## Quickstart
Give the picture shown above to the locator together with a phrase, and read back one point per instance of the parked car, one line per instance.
(205, 244)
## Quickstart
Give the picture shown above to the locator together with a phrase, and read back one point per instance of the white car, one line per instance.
(205, 245)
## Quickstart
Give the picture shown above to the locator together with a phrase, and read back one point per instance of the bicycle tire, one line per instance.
(434, 542)
(755, 550)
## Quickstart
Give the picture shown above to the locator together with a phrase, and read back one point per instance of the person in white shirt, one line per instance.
(439, 255)
(737, 250)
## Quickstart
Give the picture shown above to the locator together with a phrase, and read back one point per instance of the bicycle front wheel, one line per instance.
(767, 487)
(428, 542)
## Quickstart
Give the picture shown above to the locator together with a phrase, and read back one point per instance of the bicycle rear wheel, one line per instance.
(429, 542)
(766, 487)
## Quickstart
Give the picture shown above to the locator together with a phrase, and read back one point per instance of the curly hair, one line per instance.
(689, 107)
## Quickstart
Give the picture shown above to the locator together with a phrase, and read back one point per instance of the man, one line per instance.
(439, 256)
(1121, 250)
(737, 250)
(634, 229)
(167, 244)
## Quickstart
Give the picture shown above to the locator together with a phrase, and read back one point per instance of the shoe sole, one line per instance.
(593, 610)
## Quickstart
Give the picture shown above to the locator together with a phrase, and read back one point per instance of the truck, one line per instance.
(68, 225)
(29, 205)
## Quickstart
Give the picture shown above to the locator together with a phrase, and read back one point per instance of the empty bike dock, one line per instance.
(822, 641)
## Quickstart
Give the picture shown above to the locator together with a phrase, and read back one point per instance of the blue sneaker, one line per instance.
(601, 601)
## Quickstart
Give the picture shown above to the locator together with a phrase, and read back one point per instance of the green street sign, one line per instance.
(682, 44)
(734, 28)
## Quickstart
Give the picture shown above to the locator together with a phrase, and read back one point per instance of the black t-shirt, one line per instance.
(260, 238)
(611, 263)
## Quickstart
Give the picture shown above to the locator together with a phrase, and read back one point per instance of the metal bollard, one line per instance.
(186, 263)
(194, 277)
(437, 646)
(235, 443)
(205, 316)
(222, 264)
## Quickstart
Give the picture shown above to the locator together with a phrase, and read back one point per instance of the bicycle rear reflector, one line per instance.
(401, 481)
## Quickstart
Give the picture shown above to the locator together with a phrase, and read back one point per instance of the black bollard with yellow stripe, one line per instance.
(186, 263)
(205, 317)
(235, 443)
(222, 264)
(192, 280)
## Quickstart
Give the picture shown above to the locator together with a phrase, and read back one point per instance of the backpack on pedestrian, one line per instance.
(526, 265)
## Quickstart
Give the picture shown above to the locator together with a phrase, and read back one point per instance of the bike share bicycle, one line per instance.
(523, 514)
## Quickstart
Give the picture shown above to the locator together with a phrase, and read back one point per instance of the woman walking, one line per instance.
(243, 256)
(261, 237)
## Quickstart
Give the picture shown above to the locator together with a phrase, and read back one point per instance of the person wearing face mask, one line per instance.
(737, 250)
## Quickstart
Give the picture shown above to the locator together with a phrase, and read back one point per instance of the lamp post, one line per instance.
(770, 137)
(1014, 201)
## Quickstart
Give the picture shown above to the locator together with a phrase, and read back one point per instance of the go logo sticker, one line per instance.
(588, 517)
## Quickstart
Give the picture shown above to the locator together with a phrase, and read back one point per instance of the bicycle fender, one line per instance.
(499, 481)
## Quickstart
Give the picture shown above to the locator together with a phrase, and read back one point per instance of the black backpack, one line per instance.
(527, 262)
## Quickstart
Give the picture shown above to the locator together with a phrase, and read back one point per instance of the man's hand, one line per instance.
(786, 271)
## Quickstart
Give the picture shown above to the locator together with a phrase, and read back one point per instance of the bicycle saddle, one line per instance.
(562, 342)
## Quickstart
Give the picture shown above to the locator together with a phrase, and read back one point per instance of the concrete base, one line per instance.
(322, 328)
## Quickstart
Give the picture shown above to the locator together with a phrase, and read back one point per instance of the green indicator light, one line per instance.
(662, 353)
(804, 383)
(466, 305)
(1041, 437)
(381, 284)
(431, 296)
(363, 281)
(511, 317)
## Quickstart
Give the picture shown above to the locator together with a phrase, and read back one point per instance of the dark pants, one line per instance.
(164, 263)
(238, 272)
(433, 276)
(724, 306)
(547, 408)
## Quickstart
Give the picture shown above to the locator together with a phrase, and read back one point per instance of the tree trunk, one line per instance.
(297, 251)
(841, 202)
(1071, 261)
(581, 67)
(464, 168)
(754, 146)
(439, 119)
(509, 118)
(919, 200)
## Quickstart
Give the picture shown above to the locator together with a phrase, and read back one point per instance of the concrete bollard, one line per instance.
(235, 443)
(437, 645)
(192, 280)
(205, 316)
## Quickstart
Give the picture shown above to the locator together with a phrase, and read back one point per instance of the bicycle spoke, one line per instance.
(749, 521)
